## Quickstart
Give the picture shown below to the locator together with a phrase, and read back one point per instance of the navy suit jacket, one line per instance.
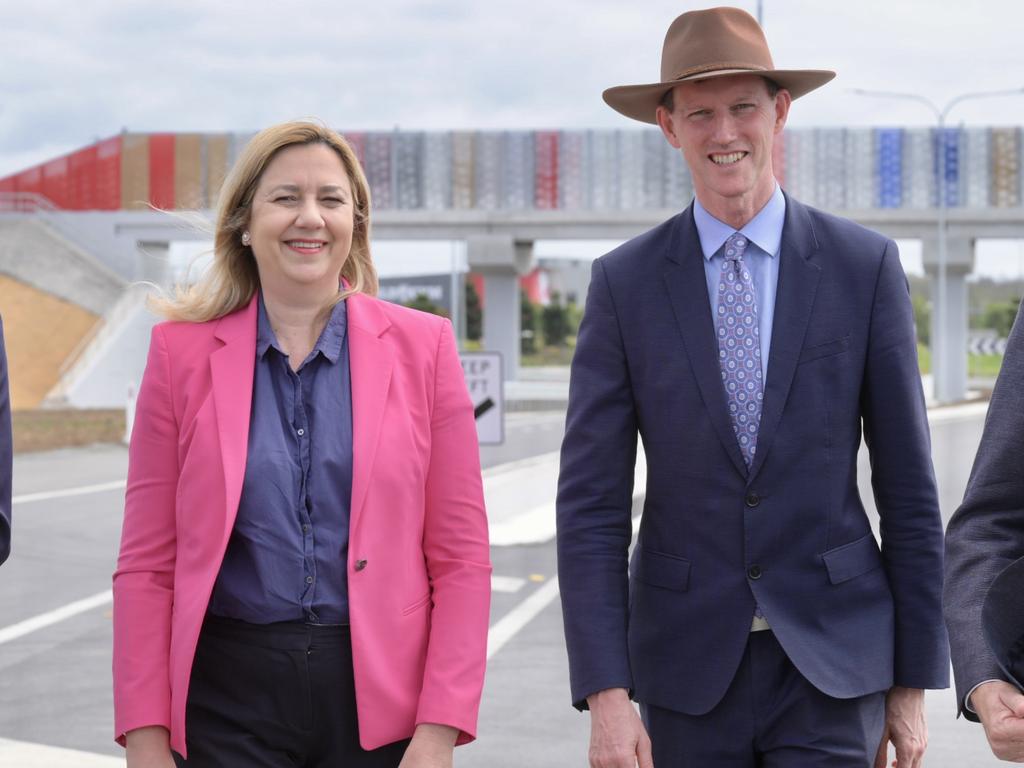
(792, 532)
(987, 532)
(6, 450)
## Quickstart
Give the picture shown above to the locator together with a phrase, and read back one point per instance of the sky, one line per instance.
(71, 73)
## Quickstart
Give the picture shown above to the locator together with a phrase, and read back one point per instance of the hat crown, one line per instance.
(712, 40)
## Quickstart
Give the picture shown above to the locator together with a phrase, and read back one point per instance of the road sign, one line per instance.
(484, 380)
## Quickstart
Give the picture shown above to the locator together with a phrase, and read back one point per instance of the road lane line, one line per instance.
(506, 583)
(55, 616)
(509, 625)
(65, 492)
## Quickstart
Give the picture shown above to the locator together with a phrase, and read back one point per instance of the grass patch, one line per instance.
(46, 430)
(550, 356)
(984, 366)
(924, 358)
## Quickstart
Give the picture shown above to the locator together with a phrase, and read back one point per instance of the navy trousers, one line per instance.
(770, 717)
(275, 696)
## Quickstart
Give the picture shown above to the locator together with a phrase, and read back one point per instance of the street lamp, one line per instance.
(941, 355)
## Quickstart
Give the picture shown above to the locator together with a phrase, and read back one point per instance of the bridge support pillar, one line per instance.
(949, 333)
(501, 260)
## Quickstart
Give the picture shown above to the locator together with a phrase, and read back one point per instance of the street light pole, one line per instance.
(941, 354)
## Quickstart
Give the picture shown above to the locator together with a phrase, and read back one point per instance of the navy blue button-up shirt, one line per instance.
(286, 560)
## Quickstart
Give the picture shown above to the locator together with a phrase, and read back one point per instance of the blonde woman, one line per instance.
(304, 569)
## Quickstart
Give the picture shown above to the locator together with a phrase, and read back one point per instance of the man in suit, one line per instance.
(6, 451)
(747, 341)
(984, 537)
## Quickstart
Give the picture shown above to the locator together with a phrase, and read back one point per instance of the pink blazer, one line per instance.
(418, 559)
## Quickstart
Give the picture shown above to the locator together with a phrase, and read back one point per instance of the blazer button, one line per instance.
(752, 500)
(754, 572)
(360, 564)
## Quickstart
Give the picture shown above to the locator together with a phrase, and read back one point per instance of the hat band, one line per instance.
(717, 66)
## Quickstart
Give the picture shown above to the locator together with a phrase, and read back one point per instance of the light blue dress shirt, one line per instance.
(764, 232)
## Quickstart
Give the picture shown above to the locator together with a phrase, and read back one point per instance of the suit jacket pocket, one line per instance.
(853, 559)
(662, 570)
(833, 347)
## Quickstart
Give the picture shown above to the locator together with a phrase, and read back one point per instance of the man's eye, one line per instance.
(699, 113)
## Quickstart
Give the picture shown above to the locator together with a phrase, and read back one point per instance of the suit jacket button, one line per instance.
(360, 564)
(752, 499)
(754, 572)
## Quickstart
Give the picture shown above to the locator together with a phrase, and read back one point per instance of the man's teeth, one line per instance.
(729, 159)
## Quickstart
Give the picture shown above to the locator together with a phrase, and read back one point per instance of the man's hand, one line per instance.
(431, 747)
(904, 727)
(617, 737)
(1001, 709)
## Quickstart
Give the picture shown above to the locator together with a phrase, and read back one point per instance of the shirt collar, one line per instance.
(332, 337)
(764, 230)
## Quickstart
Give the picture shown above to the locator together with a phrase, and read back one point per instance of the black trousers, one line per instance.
(275, 696)
(771, 717)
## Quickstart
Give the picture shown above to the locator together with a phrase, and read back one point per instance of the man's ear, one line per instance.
(782, 101)
(667, 125)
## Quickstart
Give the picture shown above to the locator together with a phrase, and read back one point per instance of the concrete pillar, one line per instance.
(949, 335)
(501, 261)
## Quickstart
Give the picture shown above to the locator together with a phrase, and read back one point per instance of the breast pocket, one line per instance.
(828, 349)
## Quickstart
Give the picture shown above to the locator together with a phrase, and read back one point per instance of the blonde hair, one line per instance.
(231, 280)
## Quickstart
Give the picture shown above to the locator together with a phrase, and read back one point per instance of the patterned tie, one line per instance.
(739, 346)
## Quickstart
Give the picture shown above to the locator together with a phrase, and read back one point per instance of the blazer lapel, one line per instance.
(371, 360)
(794, 299)
(688, 294)
(231, 371)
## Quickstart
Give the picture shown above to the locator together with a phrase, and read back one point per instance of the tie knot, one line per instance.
(735, 246)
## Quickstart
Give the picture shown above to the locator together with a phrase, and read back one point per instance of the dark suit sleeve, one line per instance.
(594, 504)
(987, 532)
(896, 431)
(6, 452)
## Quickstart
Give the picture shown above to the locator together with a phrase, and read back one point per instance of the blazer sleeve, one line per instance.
(144, 579)
(6, 454)
(986, 533)
(457, 553)
(896, 431)
(594, 502)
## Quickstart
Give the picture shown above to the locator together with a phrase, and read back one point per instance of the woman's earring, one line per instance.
(246, 238)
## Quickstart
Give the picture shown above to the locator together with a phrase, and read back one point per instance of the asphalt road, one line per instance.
(55, 681)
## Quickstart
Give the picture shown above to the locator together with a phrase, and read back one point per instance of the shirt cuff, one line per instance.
(967, 698)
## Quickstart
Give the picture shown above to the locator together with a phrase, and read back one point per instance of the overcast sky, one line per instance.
(75, 72)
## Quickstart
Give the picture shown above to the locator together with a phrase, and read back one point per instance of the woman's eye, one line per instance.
(285, 199)
(333, 201)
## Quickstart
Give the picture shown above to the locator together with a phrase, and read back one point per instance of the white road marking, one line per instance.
(506, 583)
(65, 492)
(55, 616)
(22, 754)
(509, 625)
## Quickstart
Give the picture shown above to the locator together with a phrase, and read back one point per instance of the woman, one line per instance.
(304, 569)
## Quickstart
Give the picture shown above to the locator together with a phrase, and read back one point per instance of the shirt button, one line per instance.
(301, 431)
(753, 500)
(305, 527)
(754, 572)
(309, 579)
(360, 565)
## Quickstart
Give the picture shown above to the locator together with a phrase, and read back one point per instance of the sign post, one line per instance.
(484, 380)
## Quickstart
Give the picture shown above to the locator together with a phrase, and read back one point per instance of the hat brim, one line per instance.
(640, 102)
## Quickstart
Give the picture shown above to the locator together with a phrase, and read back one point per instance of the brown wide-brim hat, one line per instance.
(716, 42)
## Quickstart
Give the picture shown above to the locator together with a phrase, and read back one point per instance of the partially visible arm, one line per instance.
(457, 554)
(148, 747)
(1001, 709)
(896, 431)
(144, 579)
(987, 532)
(594, 504)
(6, 453)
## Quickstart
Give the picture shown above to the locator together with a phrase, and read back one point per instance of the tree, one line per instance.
(999, 316)
(423, 303)
(555, 319)
(527, 325)
(474, 313)
(922, 318)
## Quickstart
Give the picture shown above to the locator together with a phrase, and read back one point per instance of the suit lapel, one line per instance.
(371, 359)
(231, 371)
(798, 284)
(688, 294)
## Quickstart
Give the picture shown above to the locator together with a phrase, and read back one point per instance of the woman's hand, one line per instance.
(148, 747)
(431, 747)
